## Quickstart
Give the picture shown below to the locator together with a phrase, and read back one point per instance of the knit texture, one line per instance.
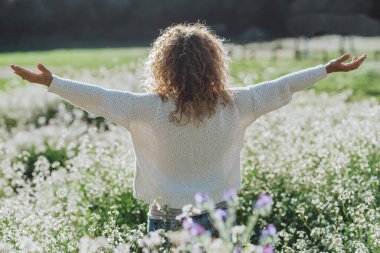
(173, 163)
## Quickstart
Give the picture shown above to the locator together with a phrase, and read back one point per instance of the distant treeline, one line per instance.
(38, 24)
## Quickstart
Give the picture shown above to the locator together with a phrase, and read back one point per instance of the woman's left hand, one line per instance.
(337, 65)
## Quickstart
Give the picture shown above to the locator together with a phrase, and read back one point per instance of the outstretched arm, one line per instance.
(270, 95)
(115, 105)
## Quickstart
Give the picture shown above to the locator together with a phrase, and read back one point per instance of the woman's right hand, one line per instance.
(45, 77)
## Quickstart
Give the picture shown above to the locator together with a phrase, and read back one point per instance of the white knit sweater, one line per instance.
(173, 163)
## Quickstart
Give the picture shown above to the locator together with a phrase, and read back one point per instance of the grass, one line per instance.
(76, 58)
(4, 82)
(364, 82)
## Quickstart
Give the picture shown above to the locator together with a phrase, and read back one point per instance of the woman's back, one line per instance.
(175, 162)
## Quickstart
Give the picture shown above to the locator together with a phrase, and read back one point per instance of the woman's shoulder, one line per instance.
(145, 96)
(148, 101)
(239, 92)
(238, 89)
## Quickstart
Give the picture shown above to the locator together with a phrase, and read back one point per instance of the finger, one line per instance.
(20, 70)
(360, 60)
(353, 58)
(343, 58)
(43, 68)
(24, 73)
(354, 64)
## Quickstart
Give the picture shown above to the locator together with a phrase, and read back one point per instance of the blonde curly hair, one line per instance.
(189, 63)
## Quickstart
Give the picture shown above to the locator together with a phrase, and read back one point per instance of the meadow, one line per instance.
(66, 176)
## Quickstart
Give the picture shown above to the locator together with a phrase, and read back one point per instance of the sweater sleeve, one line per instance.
(265, 97)
(114, 105)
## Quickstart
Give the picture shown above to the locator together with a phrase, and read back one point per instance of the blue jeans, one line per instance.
(175, 225)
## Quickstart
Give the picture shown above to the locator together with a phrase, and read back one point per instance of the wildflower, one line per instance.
(230, 194)
(187, 208)
(27, 244)
(264, 201)
(236, 231)
(194, 228)
(154, 239)
(268, 249)
(269, 231)
(122, 248)
(238, 249)
(178, 237)
(201, 197)
(263, 205)
(187, 223)
(87, 244)
(197, 229)
(221, 214)
(268, 235)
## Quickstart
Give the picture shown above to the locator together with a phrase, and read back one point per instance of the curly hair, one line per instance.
(189, 63)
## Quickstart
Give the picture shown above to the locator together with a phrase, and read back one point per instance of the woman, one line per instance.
(188, 130)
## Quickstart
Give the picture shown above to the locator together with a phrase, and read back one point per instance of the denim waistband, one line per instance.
(155, 213)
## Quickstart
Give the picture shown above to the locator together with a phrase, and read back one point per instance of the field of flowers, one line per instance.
(66, 176)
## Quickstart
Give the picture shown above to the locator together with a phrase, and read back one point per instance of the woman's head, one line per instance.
(189, 63)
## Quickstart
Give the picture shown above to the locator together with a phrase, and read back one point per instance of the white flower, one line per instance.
(236, 231)
(122, 248)
(87, 244)
(27, 244)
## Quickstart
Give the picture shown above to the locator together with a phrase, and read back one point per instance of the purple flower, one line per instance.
(238, 249)
(268, 249)
(194, 228)
(230, 194)
(264, 201)
(221, 214)
(201, 197)
(197, 229)
(187, 223)
(270, 230)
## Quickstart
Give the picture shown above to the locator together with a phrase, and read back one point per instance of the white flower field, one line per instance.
(66, 177)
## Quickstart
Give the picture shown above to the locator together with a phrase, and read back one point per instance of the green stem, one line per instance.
(248, 230)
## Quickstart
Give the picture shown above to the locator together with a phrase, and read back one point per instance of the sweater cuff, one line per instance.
(321, 68)
(56, 84)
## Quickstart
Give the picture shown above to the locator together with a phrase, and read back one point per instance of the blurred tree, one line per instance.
(26, 24)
